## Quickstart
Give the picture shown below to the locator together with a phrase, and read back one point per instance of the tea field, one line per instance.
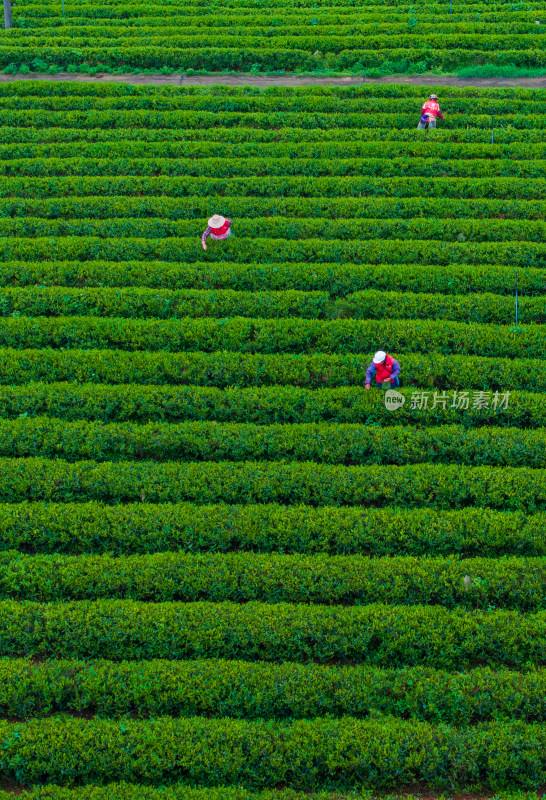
(269, 35)
(228, 571)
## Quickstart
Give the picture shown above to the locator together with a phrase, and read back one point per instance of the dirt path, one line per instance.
(279, 80)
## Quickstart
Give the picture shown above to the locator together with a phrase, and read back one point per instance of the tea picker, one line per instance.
(382, 369)
(429, 112)
(218, 228)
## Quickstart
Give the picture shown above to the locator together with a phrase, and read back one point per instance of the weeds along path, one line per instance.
(281, 80)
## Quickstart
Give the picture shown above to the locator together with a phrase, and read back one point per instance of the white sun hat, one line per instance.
(433, 97)
(379, 357)
(216, 221)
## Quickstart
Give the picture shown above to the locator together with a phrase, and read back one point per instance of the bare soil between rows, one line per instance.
(278, 80)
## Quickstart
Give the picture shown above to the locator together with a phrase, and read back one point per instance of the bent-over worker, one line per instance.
(218, 228)
(429, 112)
(383, 368)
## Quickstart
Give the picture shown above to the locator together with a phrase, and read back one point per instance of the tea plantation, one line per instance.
(269, 35)
(228, 571)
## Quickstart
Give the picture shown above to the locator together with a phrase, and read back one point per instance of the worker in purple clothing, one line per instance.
(383, 368)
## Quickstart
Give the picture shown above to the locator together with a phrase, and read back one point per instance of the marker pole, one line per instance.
(516, 298)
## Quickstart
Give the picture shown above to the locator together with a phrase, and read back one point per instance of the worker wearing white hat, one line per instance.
(218, 228)
(382, 369)
(429, 112)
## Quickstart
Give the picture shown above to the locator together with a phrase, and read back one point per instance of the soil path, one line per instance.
(278, 80)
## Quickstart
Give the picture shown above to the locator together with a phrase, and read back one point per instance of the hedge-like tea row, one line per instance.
(275, 336)
(271, 167)
(303, 105)
(381, 635)
(227, 369)
(331, 754)
(295, 149)
(360, 98)
(518, 584)
(203, 56)
(335, 443)
(419, 485)
(150, 25)
(484, 308)
(71, 528)
(287, 228)
(144, 118)
(197, 208)
(143, 303)
(336, 279)
(281, 186)
(88, 248)
(264, 406)
(244, 133)
(336, 43)
(245, 690)
(492, 11)
(182, 20)
(33, 88)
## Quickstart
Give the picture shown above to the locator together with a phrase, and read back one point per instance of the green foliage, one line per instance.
(235, 369)
(94, 527)
(180, 791)
(219, 53)
(142, 303)
(381, 635)
(284, 185)
(300, 129)
(287, 584)
(518, 584)
(287, 228)
(325, 148)
(11, 69)
(486, 308)
(332, 754)
(431, 485)
(273, 336)
(247, 690)
(336, 443)
(338, 280)
(262, 405)
(162, 210)
(241, 167)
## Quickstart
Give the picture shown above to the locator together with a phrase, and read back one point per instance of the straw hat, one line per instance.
(216, 221)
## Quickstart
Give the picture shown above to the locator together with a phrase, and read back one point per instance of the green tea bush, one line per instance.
(348, 444)
(247, 690)
(517, 584)
(381, 635)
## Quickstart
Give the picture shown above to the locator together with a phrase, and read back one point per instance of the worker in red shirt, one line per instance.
(429, 112)
(218, 228)
(382, 369)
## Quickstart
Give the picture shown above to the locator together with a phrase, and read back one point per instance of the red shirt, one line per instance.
(383, 372)
(223, 229)
(432, 107)
(217, 233)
